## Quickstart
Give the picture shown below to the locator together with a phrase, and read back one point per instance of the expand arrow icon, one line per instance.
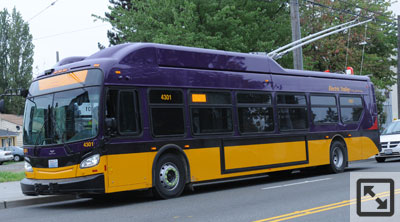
(382, 204)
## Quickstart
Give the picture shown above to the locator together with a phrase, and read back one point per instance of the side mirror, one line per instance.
(23, 92)
(2, 106)
(111, 124)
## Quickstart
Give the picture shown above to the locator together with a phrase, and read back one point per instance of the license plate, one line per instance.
(53, 163)
(388, 151)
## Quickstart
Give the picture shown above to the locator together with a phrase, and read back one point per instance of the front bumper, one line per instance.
(93, 184)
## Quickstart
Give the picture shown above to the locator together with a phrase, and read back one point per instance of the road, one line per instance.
(251, 200)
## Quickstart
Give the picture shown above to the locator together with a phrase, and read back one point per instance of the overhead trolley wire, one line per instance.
(53, 3)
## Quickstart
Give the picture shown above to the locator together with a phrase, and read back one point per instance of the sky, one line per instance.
(68, 27)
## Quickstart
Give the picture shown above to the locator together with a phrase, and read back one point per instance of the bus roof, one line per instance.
(190, 57)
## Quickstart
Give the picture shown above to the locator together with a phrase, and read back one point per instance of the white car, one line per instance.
(5, 156)
(390, 142)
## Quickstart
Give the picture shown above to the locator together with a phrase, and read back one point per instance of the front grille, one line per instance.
(393, 144)
(384, 145)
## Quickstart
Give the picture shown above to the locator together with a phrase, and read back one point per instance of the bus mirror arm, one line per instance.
(111, 125)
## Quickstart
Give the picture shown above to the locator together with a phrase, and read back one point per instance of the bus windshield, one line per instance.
(61, 117)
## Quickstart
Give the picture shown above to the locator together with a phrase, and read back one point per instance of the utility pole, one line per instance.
(398, 66)
(57, 56)
(296, 34)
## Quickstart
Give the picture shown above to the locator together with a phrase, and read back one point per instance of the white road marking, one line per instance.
(298, 183)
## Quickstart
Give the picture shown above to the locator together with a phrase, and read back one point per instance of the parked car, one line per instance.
(5, 156)
(390, 142)
(17, 152)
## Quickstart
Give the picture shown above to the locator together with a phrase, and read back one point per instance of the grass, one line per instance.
(10, 176)
(9, 162)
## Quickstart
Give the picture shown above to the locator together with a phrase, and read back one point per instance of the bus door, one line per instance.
(127, 159)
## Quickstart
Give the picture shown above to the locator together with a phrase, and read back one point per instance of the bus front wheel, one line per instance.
(169, 177)
(337, 157)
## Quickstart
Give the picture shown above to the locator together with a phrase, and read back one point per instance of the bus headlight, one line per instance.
(90, 161)
(28, 167)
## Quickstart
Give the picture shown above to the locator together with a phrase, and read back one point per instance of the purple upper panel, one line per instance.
(150, 56)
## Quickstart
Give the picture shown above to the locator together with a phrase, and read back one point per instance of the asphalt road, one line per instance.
(309, 194)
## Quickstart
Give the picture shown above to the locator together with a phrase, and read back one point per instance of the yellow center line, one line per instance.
(327, 207)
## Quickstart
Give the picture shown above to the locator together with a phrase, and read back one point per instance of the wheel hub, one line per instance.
(169, 176)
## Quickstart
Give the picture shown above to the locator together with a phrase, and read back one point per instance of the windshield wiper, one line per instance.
(66, 146)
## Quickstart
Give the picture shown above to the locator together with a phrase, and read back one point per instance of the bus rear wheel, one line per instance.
(170, 177)
(337, 157)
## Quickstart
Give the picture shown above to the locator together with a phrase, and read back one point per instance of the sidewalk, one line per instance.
(12, 196)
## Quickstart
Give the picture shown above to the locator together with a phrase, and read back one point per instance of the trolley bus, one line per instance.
(152, 116)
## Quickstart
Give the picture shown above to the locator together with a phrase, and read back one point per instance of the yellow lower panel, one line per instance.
(55, 173)
(66, 172)
(264, 154)
(128, 170)
(318, 152)
(369, 148)
(354, 148)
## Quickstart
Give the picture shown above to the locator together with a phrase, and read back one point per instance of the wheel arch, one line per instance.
(176, 150)
(341, 139)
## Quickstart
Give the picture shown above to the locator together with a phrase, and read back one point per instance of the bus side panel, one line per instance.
(318, 152)
(205, 163)
(258, 155)
(129, 171)
(354, 148)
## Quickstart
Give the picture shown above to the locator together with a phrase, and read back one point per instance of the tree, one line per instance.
(16, 57)
(370, 49)
(241, 26)
(372, 45)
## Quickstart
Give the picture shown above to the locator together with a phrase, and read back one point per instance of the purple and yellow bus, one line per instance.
(151, 116)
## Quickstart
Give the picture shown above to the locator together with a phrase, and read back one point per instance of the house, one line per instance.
(10, 130)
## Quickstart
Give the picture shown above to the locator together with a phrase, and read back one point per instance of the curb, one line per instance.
(33, 201)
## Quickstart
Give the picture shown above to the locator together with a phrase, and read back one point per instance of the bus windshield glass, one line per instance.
(61, 117)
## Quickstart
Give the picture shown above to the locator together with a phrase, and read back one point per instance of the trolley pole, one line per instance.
(296, 34)
(398, 66)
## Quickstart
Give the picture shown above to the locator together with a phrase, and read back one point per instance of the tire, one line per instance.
(380, 159)
(17, 158)
(170, 177)
(337, 157)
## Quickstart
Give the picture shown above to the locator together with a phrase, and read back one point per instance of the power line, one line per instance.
(74, 31)
(347, 12)
(366, 9)
(53, 3)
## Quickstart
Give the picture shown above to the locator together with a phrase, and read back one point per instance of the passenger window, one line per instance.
(211, 112)
(167, 114)
(324, 109)
(292, 112)
(255, 112)
(351, 108)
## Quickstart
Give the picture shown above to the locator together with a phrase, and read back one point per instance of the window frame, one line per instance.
(324, 106)
(256, 105)
(350, 106)
(166, 105)
(139, 121)
(306, 106)
(192, 105)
